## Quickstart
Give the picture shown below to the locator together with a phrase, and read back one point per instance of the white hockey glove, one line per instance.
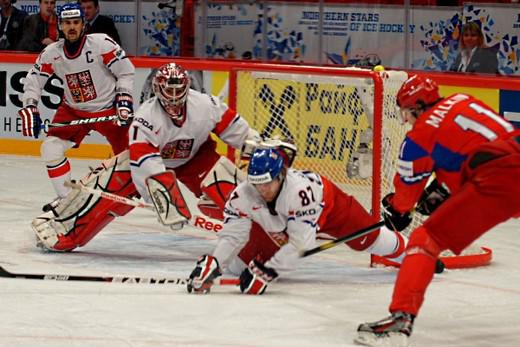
(202, 277)
(252, 141)
(167, 198)
(360, 163)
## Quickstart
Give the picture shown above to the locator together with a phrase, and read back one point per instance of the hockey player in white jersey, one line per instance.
(170, 140)
(98, 81)
(279, 212)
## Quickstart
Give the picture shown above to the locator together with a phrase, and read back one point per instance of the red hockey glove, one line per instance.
(202, 277)
(394, 220)
(124, 109)
(255, 278)
(31, 121)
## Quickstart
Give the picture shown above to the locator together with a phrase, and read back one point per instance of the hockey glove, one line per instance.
(432, 197)
(255, 278)
(31, 121)
(394, 220)
(202, 277)
(124, 109)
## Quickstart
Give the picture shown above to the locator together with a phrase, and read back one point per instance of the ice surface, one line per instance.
(320, 304)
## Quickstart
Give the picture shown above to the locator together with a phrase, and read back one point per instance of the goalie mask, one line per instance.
(171, 84)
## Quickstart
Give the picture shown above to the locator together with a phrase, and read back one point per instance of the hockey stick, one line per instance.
(194, 222)
(113, 279)
(346, 238)
(84, 121)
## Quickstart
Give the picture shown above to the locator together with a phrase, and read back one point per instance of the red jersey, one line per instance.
(439, 142)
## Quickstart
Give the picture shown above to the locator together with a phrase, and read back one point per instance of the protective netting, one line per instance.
(329, 117)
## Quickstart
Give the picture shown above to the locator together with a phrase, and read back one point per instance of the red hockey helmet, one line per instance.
(171, 84)
(415, 89)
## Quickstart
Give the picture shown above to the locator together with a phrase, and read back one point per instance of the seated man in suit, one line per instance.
(97, 23)
(474, 56)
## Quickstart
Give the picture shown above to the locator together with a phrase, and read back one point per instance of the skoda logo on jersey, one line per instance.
(308, 212)
(144, 122)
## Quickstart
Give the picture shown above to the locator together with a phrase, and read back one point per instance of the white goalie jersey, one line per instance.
(292, 223)
(90, 78)
(156, 143)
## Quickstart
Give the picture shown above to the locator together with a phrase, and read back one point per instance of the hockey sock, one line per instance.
(59, 173)
(416, 273)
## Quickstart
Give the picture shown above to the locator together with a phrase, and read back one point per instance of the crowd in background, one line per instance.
(32, 33)
(22, 32)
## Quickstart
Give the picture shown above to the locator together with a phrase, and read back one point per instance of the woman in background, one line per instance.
(473, 55)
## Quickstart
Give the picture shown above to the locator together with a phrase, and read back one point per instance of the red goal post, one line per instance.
(328, 112)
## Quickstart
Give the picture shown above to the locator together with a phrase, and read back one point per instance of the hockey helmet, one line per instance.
(265, 165)
(70, 11)
(417, 89)
(171, 84)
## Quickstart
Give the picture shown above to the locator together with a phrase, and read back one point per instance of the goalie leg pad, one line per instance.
(167, 198)
(217, 186)
(80, 215)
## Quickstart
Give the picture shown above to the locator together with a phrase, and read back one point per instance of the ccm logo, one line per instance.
(202, 223)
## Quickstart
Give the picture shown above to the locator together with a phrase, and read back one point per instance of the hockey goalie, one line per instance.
(169, 143)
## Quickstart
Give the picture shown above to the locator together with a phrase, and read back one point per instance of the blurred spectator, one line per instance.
(40, 29)
(97, 23)
(11, 24)
(473, 55)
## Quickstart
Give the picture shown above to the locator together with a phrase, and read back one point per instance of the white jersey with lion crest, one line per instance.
(292, 221)
(156, 143)
(90, 78)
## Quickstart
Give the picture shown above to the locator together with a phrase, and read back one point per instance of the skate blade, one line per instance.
(389, 340)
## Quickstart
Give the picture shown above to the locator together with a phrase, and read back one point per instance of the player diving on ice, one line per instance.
(279, 212)
(169, 141)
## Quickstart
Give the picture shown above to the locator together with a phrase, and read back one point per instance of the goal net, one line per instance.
(331, 114)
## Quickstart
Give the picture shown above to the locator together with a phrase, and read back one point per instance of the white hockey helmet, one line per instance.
(171, 84)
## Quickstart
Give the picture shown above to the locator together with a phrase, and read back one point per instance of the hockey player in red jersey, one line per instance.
(279, 212)
(98, 81)
(475, 156)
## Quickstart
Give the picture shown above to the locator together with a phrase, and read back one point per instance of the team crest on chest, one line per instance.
(81, 86)
(178, 149)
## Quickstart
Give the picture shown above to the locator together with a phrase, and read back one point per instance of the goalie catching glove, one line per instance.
(255, 278)
(432, 197)
(202, 277)
(167, 198)
(394, 220)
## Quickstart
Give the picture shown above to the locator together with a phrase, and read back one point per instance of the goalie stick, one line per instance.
(113, 279)
(114, 197)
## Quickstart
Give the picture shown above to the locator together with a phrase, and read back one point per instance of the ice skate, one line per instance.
(393, 331)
